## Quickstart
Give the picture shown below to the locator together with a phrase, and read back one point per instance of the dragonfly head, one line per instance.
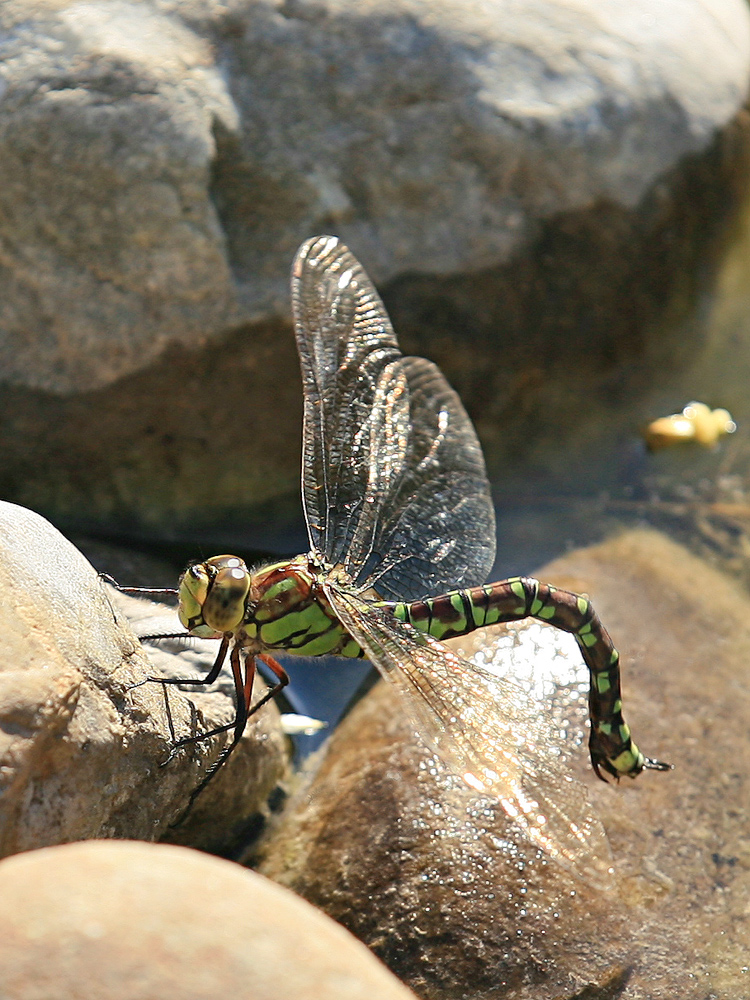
(213, 596)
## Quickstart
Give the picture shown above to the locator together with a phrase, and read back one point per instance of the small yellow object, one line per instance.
(697, 422)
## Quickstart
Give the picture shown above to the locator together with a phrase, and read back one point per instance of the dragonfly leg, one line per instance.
(164, 681)
(281, 674)
(243, 686)
(240, 684)
(202, 681)
(460, 612)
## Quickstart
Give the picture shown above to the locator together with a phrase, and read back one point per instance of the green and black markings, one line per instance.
(462, 611)
(393, 472)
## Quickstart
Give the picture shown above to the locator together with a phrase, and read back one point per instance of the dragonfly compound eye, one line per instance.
(224, 608)
(193, 591)
(213, 595)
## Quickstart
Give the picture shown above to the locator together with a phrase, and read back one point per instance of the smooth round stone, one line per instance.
(117, 920)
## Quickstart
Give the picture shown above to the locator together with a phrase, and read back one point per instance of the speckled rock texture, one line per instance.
(163, 160)
(80, 747)
(129, 921)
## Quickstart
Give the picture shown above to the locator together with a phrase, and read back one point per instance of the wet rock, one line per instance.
(80, 748)
(450, 897)
(162, 164)
(136, 921)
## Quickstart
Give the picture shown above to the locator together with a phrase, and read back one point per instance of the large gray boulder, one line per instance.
(160, 166)
(529, 181)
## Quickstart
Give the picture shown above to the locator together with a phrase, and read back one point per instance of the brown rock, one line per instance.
(450, 897)
(129, 921)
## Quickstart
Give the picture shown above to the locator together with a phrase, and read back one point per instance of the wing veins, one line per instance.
(553, 810)
(420, 466)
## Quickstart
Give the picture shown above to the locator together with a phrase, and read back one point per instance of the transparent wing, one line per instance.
(393, 479)
(485, 730)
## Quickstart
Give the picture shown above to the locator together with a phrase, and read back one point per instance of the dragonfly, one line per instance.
(402, 535)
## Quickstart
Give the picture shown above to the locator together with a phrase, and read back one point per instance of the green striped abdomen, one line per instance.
(462, 611)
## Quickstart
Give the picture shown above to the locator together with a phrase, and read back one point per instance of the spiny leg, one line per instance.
(243, 686)
(462, 611)
(243, 689)
(106, 578)
(243, 693)
(201, 681)
(164, 681)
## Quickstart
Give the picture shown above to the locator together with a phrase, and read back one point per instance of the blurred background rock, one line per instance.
(548, 194)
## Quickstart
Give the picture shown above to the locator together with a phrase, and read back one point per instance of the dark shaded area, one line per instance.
(181, 451)
(256, 203)
(549, 352)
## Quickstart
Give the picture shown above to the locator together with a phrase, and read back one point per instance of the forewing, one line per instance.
(487, 731)
(393, 478)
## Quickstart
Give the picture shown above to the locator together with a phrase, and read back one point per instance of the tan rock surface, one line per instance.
(80, 748)
(117, 920)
